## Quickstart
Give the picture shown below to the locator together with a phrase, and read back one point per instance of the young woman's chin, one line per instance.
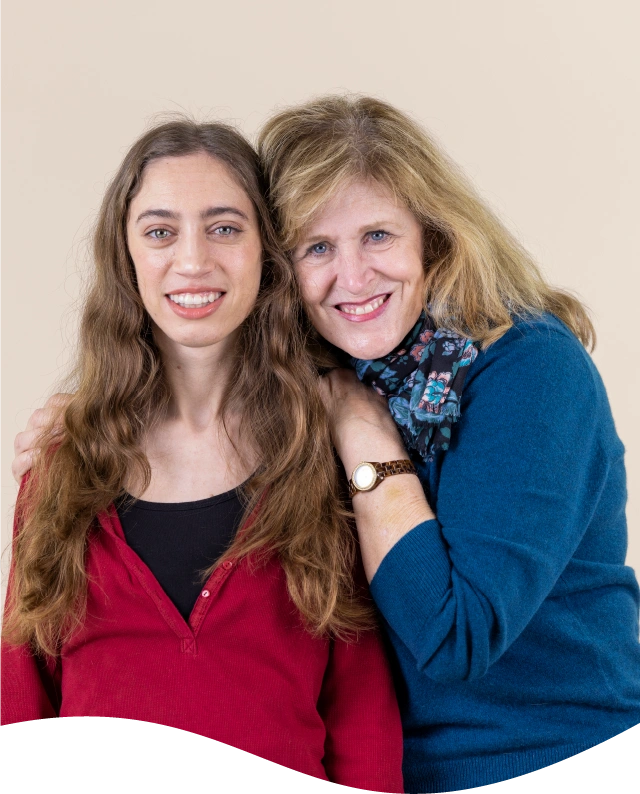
(195, 335)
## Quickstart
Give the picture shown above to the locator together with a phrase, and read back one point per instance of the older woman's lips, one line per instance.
(364, 311)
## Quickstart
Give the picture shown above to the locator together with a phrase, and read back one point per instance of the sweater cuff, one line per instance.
(412, 580)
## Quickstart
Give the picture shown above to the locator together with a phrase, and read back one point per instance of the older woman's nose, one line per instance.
(353, 272)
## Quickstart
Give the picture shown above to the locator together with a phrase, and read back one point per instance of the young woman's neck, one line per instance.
(192, 453)
(197, 378)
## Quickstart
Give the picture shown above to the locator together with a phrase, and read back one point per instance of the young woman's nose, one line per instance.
(192, 255)
(353, 272)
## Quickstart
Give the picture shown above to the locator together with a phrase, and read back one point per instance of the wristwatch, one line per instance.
(366, 475)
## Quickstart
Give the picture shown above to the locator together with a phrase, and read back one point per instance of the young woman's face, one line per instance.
(360, 270)
(193, 235)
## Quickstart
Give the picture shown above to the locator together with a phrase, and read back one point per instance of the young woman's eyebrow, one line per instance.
(213, 211)
(210, 212)
(157, 214)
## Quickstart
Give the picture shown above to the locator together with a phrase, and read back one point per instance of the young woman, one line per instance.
(499, 569)
(180, 553)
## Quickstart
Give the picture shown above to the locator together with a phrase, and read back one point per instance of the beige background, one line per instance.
(537, 100)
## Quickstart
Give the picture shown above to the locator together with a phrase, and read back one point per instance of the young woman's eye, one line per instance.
(159, 234)
(224, 231)
(378, 236)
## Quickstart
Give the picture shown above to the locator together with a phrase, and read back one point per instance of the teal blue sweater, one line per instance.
(513, 618)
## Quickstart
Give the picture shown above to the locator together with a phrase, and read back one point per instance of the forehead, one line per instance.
(190, 182)
(356, 204)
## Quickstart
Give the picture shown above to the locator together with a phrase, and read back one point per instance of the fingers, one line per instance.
(26, 440)
(50, 414)
(58, 401)
(22, 464)
(26, 444)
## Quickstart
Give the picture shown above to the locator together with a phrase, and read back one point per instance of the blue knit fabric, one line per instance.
(513, 618)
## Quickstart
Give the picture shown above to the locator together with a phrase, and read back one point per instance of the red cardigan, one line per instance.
(243, 671)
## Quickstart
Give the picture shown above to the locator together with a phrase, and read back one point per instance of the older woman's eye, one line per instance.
(319, 248)
(378, 236)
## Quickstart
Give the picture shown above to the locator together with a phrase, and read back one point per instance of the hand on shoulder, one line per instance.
(25, 445)
(361, 426)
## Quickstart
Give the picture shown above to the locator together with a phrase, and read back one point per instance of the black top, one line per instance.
(178, 541)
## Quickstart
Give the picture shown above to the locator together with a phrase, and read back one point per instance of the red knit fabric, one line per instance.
(243, 671)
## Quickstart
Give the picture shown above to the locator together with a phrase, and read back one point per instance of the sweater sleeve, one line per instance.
(29, 683)
(363, 745)
(517, 490)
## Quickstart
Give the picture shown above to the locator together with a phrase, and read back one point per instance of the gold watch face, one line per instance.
(364, 477)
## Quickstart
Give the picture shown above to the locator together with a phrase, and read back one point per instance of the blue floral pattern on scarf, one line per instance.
(422, 380)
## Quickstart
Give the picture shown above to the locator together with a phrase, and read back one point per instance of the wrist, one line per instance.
(370, 446)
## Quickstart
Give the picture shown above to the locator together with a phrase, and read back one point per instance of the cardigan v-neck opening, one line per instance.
(185, 630)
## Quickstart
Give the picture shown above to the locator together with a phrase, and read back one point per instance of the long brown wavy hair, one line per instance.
(121, 389)
(477, 275)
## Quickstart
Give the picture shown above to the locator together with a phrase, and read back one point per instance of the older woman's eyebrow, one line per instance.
(210, 212)
(368, 227)
(373, 227)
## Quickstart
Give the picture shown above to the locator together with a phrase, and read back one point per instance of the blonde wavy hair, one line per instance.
(478, 277)
(121, 389)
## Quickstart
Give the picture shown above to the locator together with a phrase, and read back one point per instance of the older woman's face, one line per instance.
(360, 270)
(193, 235)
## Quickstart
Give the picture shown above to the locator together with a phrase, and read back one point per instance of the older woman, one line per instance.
(180, 554)
(499, 568)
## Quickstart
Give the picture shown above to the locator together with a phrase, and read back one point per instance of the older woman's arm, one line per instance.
(363, 430)
(517, 490)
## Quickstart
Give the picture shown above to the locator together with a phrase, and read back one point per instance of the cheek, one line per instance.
(311, 286)
(249, 269)
(243, 273)
(412, 275)
(148, 275)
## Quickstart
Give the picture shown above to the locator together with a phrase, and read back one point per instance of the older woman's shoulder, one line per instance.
(543, 334)
(537, 349)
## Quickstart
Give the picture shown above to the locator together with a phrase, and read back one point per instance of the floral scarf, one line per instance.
(422, 380)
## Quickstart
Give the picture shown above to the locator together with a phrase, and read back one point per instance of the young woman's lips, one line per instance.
(195, 312)
(348, 311)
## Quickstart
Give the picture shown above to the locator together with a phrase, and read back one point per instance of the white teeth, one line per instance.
(197, 299)
(366, 309)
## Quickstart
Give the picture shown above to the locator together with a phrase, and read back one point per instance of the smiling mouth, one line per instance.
(363, 308)
(194, 299)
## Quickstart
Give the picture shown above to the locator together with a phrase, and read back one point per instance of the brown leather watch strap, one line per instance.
(387, 469)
